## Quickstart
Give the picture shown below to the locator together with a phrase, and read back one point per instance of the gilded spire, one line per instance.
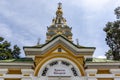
(59, 18)
(59, 10)
(59, 26)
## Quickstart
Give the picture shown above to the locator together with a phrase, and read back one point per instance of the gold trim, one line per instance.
(14, 71)
(103, 71)
(26, 74)
(105, 79)
(91, 74)
(117, 74)
(12, 79)
(1, 74)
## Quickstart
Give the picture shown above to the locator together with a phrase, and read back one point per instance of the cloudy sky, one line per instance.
(22, 22)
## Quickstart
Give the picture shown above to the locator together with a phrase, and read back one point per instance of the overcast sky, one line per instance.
(22, 22)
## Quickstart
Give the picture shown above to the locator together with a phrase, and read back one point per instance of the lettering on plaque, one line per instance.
(59, 71)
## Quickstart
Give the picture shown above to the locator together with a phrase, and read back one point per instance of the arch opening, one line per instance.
(59, 67)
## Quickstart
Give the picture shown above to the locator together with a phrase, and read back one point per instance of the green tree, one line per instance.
(112, 30)
(16, 51)
(109, 54)
(6, 52)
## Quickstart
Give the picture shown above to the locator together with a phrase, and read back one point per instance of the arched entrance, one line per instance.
(59, 69)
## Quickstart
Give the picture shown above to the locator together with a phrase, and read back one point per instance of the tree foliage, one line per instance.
(109, 54)
(112, 30)
(6, 52)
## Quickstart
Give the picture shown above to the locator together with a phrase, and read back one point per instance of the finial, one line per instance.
(59, 11)
(117, 12)
(38, 43)
(60, 5)
(77, 42)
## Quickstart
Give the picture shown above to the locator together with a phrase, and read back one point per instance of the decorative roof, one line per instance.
(59, 40)
(53, 38)
(59, 26)
(95, 60)
(17, 60)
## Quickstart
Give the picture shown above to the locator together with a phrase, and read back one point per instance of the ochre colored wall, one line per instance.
(105, 79)
(12, 79)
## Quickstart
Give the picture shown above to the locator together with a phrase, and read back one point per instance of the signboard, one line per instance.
(59, 71)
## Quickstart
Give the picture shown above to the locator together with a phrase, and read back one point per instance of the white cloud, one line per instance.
(5, 31)
(95, 13)
(101, 57)
(94, 5)
(26, 20)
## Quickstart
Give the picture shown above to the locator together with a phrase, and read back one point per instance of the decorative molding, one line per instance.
(26, 74)
(27, 71)
(103, 71)
(117, 74)
(14, 71)
(93, 71)
(3, 71)
(105, 79)
(115, 71)
(103, 63)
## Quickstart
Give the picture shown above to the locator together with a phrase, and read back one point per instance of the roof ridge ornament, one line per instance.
(38, 42)
(77, 40)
